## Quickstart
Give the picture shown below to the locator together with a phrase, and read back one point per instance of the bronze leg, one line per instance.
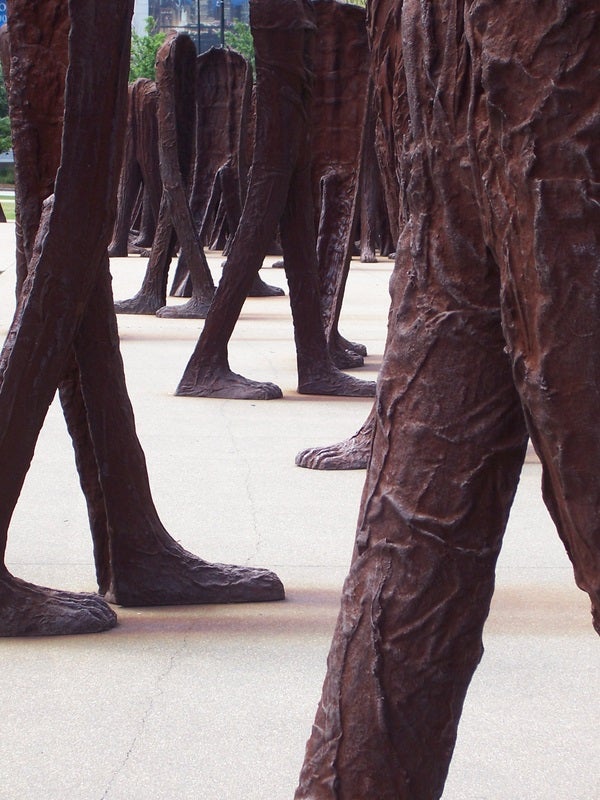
(448, 447)
(542, 169)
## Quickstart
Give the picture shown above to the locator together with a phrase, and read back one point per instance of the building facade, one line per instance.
(204, 20)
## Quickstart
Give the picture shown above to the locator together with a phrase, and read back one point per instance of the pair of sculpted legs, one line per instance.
(64, 335)
(494, 334)
(338, 123)
(140, 182)
(176, 112)
(391, 122)
(279, 192)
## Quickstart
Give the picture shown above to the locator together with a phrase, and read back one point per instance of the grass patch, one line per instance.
(8, 204)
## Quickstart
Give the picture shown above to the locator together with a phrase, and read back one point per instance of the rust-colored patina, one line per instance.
(279, 193)
(64, 332)
(341, 68)
(140, 185)
(494, 335)
(175, 78)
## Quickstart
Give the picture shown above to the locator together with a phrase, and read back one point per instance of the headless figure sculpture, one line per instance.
(207, 104)
(140, 186)
(279, 193)
(494, 335)
(389, 107)
(64, 331)
(338, 122)
(175, 77)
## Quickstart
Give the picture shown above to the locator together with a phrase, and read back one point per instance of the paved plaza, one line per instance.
(216, 702)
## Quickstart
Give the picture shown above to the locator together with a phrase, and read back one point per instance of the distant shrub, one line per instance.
(239, 38)
(144, 50)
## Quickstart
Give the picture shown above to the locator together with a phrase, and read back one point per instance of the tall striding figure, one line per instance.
(494, 335)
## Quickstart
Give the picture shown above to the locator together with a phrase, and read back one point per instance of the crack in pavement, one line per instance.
(243, 459)
(154, 695)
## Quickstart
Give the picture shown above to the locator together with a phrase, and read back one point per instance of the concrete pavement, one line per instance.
(216, 703)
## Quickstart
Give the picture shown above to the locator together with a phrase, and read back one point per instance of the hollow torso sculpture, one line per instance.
(494, 334)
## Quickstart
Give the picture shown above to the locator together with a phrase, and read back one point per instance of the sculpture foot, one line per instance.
(262, 289)
(138, 250)
(339, 384)
(142, 242)
(195, 308)
(29, 610)
(140, 304)
(344, 353)
(352, 453)
(345, 358)
(173, 576)
(367, 256)
(355, 347)
(224, 383)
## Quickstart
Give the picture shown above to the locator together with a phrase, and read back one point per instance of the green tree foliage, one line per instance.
(5, 137)
(3, 97)
(143, 51)
(239, 37)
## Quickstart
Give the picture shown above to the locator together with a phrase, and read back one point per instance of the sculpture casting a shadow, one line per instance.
(494, 334)
(64, 331)
(279, 193)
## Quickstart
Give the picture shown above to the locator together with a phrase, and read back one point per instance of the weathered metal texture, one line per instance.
(350, 453)
(494, 333)
(64, 334)
(223, 92)
(37, 83)
(140, 185)
(341, 67)
(279, 193)
(389, 100)
(375, 230)
(390, 119)
(63, 261)
(175, 77)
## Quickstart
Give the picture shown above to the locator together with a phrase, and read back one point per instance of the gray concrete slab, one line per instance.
(216, 703)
